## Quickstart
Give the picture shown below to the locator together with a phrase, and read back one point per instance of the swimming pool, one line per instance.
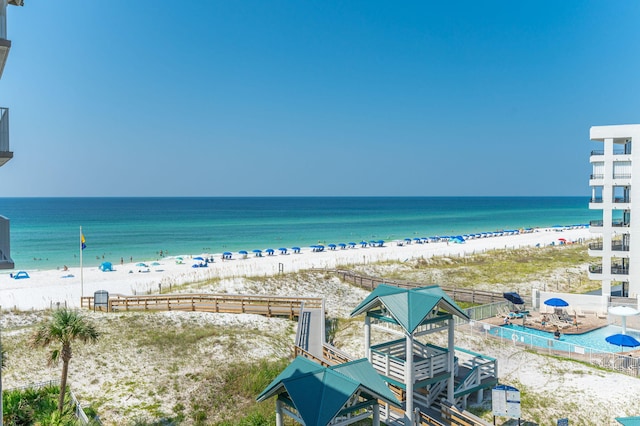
(593, 339)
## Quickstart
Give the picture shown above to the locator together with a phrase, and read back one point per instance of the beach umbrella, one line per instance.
(257, 252)
(198, 258)
(142, 264)
(227, 253)
(363, 243)
(243, 252)
(295, 249)
(408, 240)
(332, 246)
(624, 312)
(283, 250)
(352, 244)
(622, 340)
(513, 297)
(319, 247)
(556, 302)
(269, 251)
(380, 243)
(342, 245)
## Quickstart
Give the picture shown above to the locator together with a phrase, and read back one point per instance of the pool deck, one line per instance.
(587, 323)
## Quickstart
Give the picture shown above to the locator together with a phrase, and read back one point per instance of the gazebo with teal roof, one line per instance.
(342, 394)
(430, 370)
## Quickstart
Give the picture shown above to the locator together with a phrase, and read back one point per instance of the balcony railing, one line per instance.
(621, 199)
(596, 200)
(616, 246)
(595, 269)
(595, 223)
(621, 176)
(597, 152)
(619, 270)
(619, 223)
(599, 176)
(595, 246)
(5, 248)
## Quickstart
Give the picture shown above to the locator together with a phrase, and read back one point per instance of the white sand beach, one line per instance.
(46, 288)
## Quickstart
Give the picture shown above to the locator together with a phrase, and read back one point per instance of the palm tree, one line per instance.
(64, 327)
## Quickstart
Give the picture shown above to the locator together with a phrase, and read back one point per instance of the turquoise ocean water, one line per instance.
(45, 231)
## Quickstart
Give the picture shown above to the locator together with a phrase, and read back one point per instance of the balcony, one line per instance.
(595, 246)
(620, 223)
(5, 248)
(595, 269)
(595, 223)
(621, 200)
(620, 176)
(619, 270)
(5, 153)
(596, 200)
(619, 246)
(597, 152)
(596, 177)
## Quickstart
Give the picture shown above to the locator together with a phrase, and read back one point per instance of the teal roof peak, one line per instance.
(331, 387)
(409, 307)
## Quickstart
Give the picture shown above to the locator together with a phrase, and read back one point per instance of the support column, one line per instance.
(279, 419)
(408, 380)
(376, 414)
(451, 348)
(367, 337)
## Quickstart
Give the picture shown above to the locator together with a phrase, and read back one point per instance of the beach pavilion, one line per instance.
(431, 372)
(342, 394)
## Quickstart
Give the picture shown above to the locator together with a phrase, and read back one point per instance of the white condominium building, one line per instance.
(614, 185)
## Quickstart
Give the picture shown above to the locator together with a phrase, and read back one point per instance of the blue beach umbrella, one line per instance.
(342, 245)
(352, 244)
(228, 253)
(295, 249)
(243, 252)
(513, 297)
(622, 340)
(257, 251)
(363, 243)
(269, 251)
(283, 250)
(556, 302)
(198, 258)
(332, 246)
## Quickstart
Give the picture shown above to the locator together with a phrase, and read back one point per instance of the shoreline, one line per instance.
(48, 288)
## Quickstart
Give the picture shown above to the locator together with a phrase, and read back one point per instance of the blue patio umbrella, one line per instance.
(228, 253)
(363, 243)
(295, 249)
(352, 244)
(556, 302)
(269, 251)
(257, 251)
(408, 240)
(243, 252)
(283, 250)
(622, 340)
(342, 245)
(332, 246)
(513, 297)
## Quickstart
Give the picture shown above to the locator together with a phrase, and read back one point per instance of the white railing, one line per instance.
(389, 359)
(605, 359)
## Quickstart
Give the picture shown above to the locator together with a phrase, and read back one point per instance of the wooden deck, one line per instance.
(269, 306)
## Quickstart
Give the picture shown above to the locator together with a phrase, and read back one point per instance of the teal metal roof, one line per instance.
(629, 421)
(409, 307)
(319, 393)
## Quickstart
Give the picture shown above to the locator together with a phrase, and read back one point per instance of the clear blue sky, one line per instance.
(244, 98)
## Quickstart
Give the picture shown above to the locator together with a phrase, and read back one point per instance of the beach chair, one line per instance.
(502, 311)
(579, 312)
(602, 315)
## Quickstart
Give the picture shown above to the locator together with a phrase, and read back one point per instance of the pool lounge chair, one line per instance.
(579, 312)
(602, 315)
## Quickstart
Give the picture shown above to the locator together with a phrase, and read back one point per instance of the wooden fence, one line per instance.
(479, 297)
(226, 303)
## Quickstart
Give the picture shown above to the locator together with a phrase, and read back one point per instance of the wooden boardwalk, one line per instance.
(270, 306)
